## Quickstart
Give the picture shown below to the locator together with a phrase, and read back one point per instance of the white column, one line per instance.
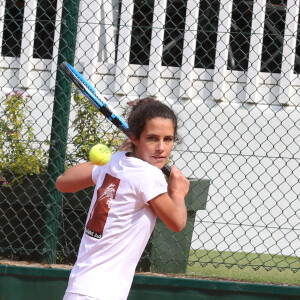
(26, 64)
(56, 44)
(287, 90)
(255, 51)
(189, 49)
(223, 38)
(123, 53)
(88, 37)
(156, 50)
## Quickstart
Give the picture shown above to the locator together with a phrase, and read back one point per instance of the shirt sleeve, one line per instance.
(95, 173)
(154, 187)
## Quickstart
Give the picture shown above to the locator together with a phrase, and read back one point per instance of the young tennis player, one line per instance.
(130, 192)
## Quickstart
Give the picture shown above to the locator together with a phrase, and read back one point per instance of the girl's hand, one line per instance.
(178, 184)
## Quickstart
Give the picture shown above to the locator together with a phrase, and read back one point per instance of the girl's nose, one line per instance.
(160, 146)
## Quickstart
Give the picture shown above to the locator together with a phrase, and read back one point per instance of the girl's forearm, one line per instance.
(76, 178)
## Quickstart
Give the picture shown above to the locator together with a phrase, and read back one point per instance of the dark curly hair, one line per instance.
(143, 110)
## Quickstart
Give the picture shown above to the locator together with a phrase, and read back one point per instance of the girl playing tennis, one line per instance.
(130, 192)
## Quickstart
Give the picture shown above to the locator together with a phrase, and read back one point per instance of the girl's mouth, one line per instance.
(159, 158)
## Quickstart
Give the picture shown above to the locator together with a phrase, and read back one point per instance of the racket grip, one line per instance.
(166, 170)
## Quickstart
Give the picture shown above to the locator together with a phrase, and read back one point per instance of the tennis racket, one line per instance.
(100, 102)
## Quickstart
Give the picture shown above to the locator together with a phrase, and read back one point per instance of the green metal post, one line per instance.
(59, 131)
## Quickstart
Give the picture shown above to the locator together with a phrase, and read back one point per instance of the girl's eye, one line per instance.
(151, 138)
(168, 139)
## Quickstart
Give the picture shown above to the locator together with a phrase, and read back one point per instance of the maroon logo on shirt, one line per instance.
(105, 197)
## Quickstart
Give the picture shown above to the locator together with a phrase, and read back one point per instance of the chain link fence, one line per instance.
(229, 68)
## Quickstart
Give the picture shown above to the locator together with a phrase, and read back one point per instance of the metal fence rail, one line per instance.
(230, 69)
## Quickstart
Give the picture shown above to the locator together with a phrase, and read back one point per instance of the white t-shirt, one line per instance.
(118, 227)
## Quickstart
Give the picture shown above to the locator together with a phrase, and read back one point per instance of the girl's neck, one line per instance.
(130, 154)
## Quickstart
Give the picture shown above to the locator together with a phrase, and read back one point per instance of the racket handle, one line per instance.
(166, 170)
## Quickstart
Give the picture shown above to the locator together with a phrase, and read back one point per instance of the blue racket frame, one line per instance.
(100, 102)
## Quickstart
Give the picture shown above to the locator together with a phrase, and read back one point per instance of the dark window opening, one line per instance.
(207, 34)
(13, 25)
(44, 29)
(240, 34)
(174, 33)
(141, 32)
(273, 36)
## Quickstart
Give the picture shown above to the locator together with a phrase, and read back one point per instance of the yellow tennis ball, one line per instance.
(100, 154)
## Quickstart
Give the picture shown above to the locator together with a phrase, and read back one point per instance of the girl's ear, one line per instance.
(127, 145)
(133, 139)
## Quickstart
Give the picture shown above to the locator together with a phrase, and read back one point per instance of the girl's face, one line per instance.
(156, 142)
